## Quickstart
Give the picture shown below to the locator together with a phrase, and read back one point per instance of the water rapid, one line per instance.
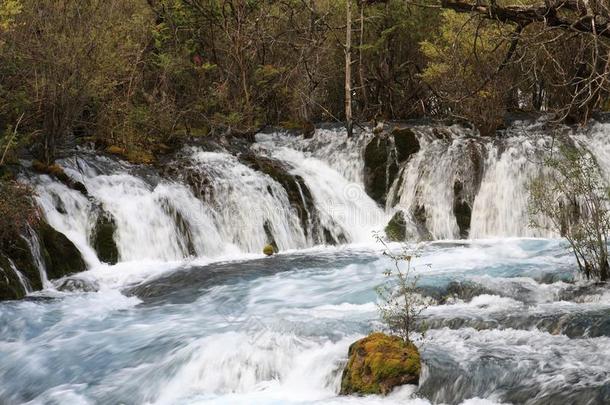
(192, 313)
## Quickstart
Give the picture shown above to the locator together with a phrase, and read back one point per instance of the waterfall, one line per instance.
(345, 209)
(25, 284)
(208, 201)
(69, 212)
(501, 206)
(34, 245)
(245, 205)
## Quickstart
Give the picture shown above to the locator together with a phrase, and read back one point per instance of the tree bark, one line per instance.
(348, 69)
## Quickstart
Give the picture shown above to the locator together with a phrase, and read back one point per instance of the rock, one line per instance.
(60, 255)
(77, 285)
(268, 250)
(378, 363)
(103, 239)
(396, 230)
(10, 287)
(421, 219)
(405, 142)
(383, 157)
(379, 168)
(270, 238)
(299, 195)
(56, 171)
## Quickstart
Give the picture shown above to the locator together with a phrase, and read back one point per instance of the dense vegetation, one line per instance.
(140, 75)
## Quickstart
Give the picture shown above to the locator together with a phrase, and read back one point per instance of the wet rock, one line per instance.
(406, 143)
(380, 168)
(103, 239)
(378, 363)
(462, 210)
(268, 250)
(299, 195)
(57, 172)
(60, 255)
(270, 240)
(10, 286)
(420, 219)
(384, 155)
(77, 285)
(396, 230)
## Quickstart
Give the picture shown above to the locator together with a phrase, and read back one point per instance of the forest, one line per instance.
(139, 76)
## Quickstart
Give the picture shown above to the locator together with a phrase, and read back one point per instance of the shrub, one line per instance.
(573, 196)
(400, 305)
(17, 211)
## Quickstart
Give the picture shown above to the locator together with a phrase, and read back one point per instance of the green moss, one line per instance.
(61, 257)
(268, 250)
(378, 363)
(10, 287)
(377, 174)
(396, 230)
(405, 142)
(103, 239)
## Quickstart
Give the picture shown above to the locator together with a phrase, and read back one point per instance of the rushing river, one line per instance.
(276, 330)
(192, 313)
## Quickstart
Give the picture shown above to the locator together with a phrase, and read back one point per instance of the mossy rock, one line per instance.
(268, 250)
(56, 171)
(103, 239)
(299, 195)
(378, 363)
(379, 169)
(60, 255)
(10, 287)
(396, 230)
(405, 142)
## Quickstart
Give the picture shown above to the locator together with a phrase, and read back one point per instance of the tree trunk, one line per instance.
(348, 69)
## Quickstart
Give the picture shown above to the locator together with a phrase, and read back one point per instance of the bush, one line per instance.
(17, 211)
(400, 305)
(573, 196)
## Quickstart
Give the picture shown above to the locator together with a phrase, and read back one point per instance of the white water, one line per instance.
(226, 327)
(25, 284)
(283, 337)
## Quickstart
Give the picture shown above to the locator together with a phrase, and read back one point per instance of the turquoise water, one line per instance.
(509, 325)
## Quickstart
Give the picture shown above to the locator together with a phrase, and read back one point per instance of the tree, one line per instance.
(60, 61)
(573, 197)
(561, 49)
(348, 68)
(400, 304)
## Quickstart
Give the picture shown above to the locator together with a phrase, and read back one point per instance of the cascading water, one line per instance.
(510, 322)
(25, 284)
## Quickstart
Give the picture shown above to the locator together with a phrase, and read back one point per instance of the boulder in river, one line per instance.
(396, 229)
(103, 239)
(268, 250)
(60, 255)
(378, 363)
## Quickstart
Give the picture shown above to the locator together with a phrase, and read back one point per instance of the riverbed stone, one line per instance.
(103, 239)
(396, 230)
(378, 363)
(60, 255)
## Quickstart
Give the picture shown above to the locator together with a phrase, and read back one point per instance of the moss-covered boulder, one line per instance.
(268, 250)
(103, 239)
(396, 230)
(10, 286)
(60, 255)
(299, 195)
(378, 363)
(383, 156)
(380, 169)
(405, 142)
